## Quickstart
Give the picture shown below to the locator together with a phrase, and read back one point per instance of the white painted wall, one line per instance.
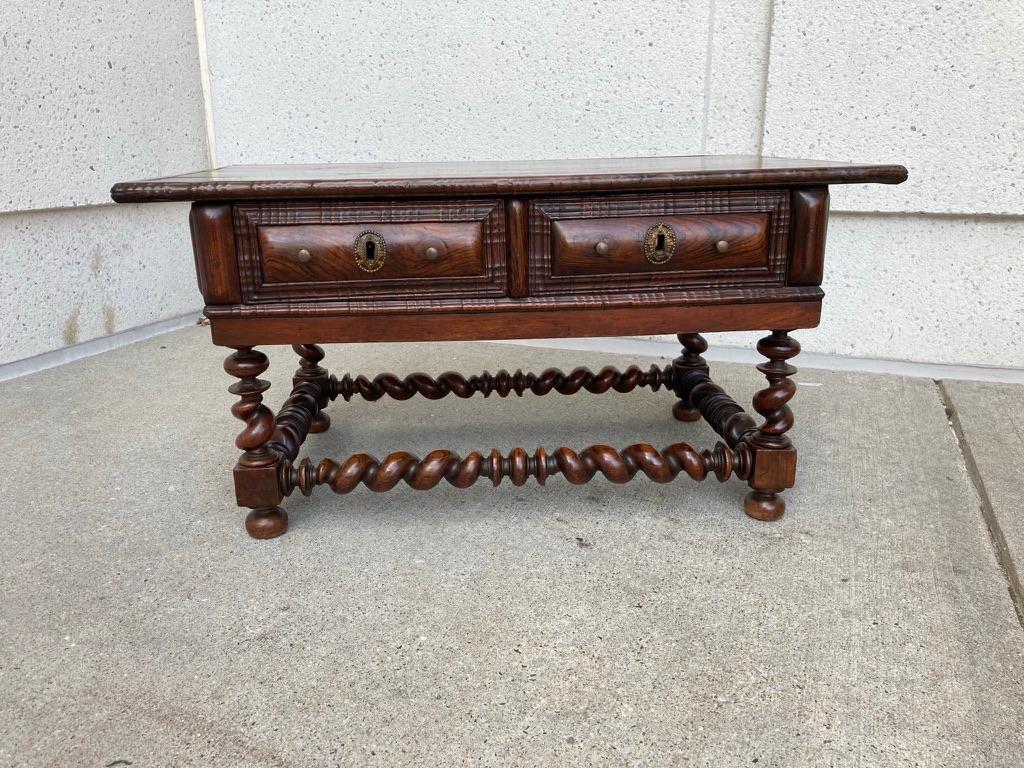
(93, 92)
(930, 271)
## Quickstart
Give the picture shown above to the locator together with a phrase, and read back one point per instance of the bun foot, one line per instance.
(764, 506)
(321, 423)
(683, 412)
(266, 523)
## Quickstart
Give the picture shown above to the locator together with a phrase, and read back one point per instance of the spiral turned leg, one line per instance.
(310, 369)
(693, 346)
(256, 473)
(774, 460)
(577, 467)
(502, 383)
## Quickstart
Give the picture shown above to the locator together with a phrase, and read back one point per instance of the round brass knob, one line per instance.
(722, 246)
(303, 255)
(431, 253)
(601, 248)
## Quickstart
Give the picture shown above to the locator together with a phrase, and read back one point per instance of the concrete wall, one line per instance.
(929, 271)
(93, 92)
(316, 81)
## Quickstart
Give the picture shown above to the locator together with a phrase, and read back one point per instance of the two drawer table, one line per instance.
(308, 255)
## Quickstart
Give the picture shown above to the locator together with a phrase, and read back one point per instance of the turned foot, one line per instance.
(320, 423)
(682, 411)
(764, 506)
(266, 523)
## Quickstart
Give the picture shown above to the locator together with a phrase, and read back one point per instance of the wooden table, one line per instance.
(307, 255)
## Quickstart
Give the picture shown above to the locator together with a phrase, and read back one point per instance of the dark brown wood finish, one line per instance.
(310, 370)
(213, 244)
(617, 246)
(518, 249)
(468, 235)
(775, 457)
(578, 468)
(810, 222)
(524, 177)
(327, 253)
(501, 384)
(754, 223)
(694, 346)
(256, 476)
(460, 251)
(466, 325)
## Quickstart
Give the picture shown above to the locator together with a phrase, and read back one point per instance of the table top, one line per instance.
(246, 182)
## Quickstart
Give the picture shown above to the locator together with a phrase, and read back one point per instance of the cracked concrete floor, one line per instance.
(633, 625)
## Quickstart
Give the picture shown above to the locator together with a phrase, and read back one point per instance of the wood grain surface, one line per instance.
(332, 257)
(575, 241)
(367, 180)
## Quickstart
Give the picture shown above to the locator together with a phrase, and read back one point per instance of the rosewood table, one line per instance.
(307, 255)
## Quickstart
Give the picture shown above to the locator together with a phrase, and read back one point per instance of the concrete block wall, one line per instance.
(926, 272)
(92, 93)
(379, 80)
(931, 270)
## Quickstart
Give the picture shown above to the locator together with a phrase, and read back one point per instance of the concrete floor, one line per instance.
(634, 625)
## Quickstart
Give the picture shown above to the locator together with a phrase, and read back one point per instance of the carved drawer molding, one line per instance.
(467, 238)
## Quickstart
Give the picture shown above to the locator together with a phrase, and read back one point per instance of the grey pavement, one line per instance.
(632, 625)
(990, 420)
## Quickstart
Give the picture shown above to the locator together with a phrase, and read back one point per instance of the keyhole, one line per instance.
(370, 251)
(659, 246)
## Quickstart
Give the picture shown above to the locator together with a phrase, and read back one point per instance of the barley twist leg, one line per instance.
(774, 454)
(256, 484)
(694, 345)
(310, 369)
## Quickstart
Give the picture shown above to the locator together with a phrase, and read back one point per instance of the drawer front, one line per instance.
(659, 242)
(382, 252)
(315, 253)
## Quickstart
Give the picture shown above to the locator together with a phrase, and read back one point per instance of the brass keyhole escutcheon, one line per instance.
(659, 243)
(371, 250)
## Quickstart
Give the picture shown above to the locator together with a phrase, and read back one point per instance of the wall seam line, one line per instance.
(206, 82)
(57, 208)
(708, 69)
(767, 73)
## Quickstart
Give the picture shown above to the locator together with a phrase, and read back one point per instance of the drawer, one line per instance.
(659, 242)
(315, 253)
(381, 251)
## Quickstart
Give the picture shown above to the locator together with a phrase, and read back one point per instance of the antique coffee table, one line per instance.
(307, 255)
